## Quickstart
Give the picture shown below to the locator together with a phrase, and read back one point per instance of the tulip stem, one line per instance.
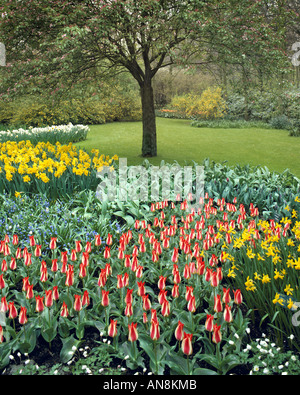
(155, 353)
(188, 364)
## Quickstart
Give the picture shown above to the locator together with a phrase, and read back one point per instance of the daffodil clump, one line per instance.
(46, 167)
(265, 263)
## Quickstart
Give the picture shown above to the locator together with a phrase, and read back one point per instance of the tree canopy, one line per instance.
(53, 43)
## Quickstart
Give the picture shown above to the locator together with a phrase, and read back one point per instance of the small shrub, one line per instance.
(210, 105)
(281, 122)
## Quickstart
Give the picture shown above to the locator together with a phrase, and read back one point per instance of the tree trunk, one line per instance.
(149, 145)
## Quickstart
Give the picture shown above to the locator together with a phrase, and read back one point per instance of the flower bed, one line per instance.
(52, 134)
(55, 169)
(174, 292)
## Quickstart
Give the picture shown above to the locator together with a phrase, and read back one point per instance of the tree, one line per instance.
(52, 42)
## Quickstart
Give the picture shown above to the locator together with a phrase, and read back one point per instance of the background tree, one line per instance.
(55, 43)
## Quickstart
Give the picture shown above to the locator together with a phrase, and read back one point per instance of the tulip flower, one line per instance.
(64, 257)
(218, 304)
(55, 293)
(162, 296)
(38, 251)
(146, 302)
(174, 258)
(54, 266)
(48, 298)
(44, 275)
(1, 335)
(145, 318)
(238, 299)
(22, 316)
(25, 283)
(154, 330)
(209, 323)
(109, 239)
(214, 281)
(78, 247)
(153, 314)
(226, 295)
(39, 303)
(85, 298)
(227, 313)
(82, 270)
(189, 293)
(29, 292)
(97, 240)
(69, 276)
(105, 298)
(102, 278)
(2, 282)
(112, 328)
(77, 303)
(31, 241)
(133, 333)
(27, 259)
(73, 256)
(179, 331)
(4, 266)
(162, 282)
(4, 305)
(192, 304)
(175, 291)
(141, 288)
(15, 240)
(53, 243)
(64, 310)
(85, 258)
(12, 311)
(139, 271)
(128, 310)
(13, 263)
(18, 253)
(186, 344)
(107, 253)
(120, 283)
(217, 336)
(165, 308)
(128, 297)
(88, 247)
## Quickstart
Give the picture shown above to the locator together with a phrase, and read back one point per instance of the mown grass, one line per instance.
(178, 141)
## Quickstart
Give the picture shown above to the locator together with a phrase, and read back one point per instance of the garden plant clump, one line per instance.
(155, 288)
(51, 134)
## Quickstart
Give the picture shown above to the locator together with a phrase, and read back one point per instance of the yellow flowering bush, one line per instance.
(46, 167)
(210, 105)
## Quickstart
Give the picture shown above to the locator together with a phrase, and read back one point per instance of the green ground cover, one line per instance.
(178, 140)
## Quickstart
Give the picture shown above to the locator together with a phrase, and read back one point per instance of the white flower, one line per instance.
(266, 371)
(280, 367)
(284, 373)
(293, 358)
(256, 368)
(231, 342)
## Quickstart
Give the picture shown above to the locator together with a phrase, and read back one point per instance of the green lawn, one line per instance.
(177, 140)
